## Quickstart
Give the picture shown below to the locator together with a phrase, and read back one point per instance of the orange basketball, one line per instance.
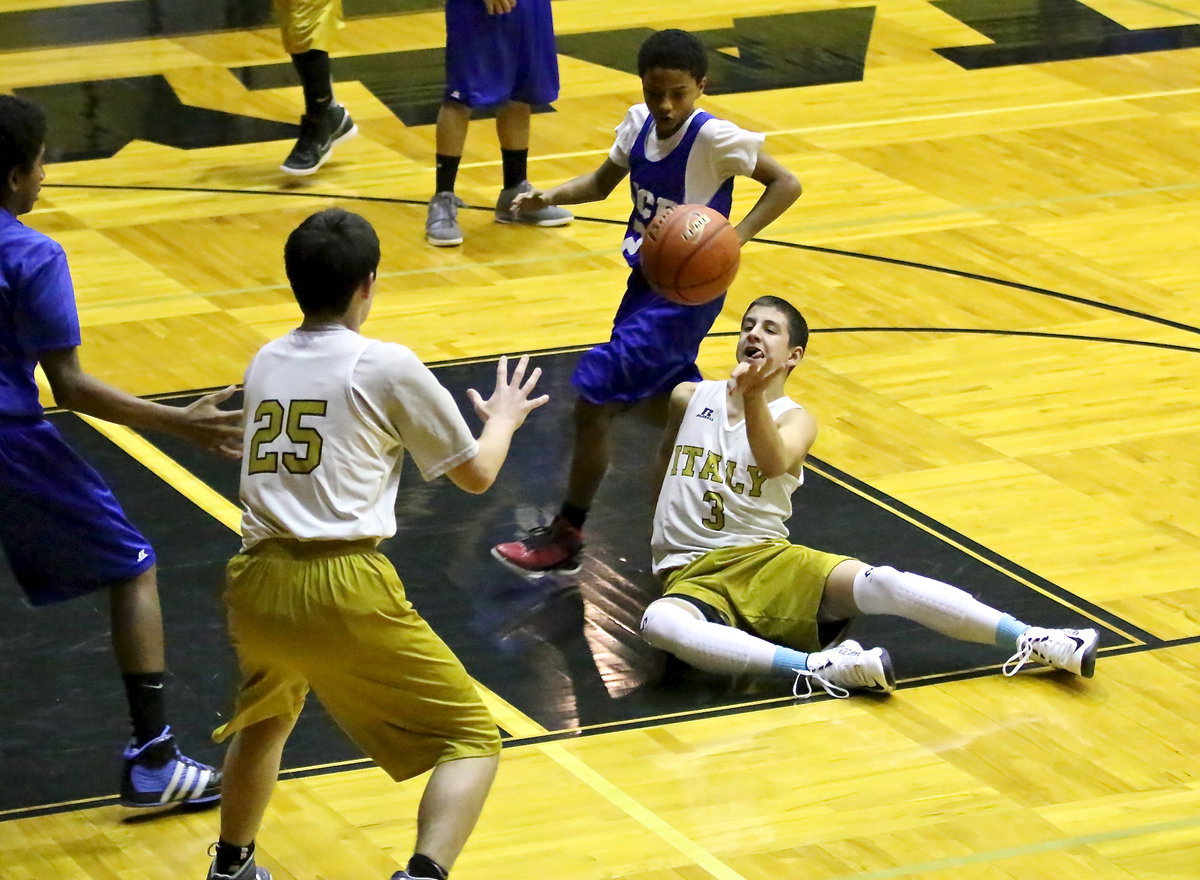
(690, 254)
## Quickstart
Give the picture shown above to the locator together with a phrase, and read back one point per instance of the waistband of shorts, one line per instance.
(294, 549)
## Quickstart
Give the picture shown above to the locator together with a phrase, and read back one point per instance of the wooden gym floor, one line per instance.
(997, 249)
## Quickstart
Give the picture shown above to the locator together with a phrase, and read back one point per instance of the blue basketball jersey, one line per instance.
(37, 311)
(656, 186)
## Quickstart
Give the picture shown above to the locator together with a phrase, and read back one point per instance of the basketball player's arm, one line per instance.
(782, 189)
(779, 447)
(201, 422)
(680, 395)
(591, 187)
(502, 414)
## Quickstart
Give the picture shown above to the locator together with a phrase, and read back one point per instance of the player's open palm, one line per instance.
(510, 400)
(217, 430)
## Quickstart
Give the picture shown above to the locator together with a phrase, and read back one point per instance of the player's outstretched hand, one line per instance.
(529, 201)
(752, 377)
(215, 429)
(510, 399)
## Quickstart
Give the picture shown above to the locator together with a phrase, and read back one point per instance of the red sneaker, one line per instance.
(553, 549)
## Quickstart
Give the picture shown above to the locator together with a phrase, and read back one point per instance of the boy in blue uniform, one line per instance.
(674, 154)
(499, 53)
(63, 532)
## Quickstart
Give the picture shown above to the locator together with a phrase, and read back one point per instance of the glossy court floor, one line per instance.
(996, 249)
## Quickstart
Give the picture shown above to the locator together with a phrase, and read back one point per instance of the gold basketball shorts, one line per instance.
(770, 590)
(308, 24)
(332, 616)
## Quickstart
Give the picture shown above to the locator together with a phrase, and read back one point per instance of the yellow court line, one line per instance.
(170, 472)
(634, 808)
(511, 719)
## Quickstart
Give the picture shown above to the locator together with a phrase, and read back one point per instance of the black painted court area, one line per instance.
(562, 651)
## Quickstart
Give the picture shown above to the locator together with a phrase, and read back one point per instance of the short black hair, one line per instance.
(327, 258)
(22, 135)
(797, 326)
(673, 49)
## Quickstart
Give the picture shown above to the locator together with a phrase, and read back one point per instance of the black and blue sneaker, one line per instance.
(157, 774)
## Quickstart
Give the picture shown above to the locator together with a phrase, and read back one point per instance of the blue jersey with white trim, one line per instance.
(657, 185)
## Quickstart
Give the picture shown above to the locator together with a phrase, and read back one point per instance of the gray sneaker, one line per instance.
(551, 215)
(441, 223)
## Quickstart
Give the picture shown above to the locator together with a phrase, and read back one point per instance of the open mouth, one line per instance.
(753, 352)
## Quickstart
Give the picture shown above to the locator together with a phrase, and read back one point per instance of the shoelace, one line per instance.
(1014, 663)
(807, 676)
(1046, 648)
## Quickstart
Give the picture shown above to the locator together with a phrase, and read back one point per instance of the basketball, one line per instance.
(690, 254)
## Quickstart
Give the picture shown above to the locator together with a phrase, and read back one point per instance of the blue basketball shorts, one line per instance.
(493, 59)
(652, 349)
(62, 530)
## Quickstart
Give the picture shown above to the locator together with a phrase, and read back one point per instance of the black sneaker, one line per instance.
(158, 774)
(317, 138)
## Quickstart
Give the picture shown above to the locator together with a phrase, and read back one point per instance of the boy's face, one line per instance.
(764, 336)
(22, 187)
(671, 96)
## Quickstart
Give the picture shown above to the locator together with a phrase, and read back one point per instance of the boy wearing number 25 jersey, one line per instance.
(312, 603)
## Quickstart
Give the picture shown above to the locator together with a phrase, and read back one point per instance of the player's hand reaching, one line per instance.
(510, 399)
(530, 201)
(752, 377)
(215, 429)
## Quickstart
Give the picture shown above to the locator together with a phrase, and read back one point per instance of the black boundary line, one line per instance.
(479, 359)
(575, 733)
(1001, 563)
(895, 261)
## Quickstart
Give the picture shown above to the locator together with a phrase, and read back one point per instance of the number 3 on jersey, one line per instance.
(716, 517)
(276, 420)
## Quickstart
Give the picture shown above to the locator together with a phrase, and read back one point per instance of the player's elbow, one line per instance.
(789, 185)
(472, 478)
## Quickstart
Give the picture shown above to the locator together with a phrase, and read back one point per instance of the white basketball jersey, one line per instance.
(329, 414)
(713, 494)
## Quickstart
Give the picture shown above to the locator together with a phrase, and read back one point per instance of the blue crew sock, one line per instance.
(787, 662)
(1008, 630)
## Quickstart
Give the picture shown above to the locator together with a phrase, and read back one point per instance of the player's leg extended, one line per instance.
(450, 807)
(308, 28)
(155, 772)
(854, 586)
(557, 548)
(137, 630)
(251, 769)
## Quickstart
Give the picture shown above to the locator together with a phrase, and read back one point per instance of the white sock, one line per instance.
(712, 647)
(941, 607)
